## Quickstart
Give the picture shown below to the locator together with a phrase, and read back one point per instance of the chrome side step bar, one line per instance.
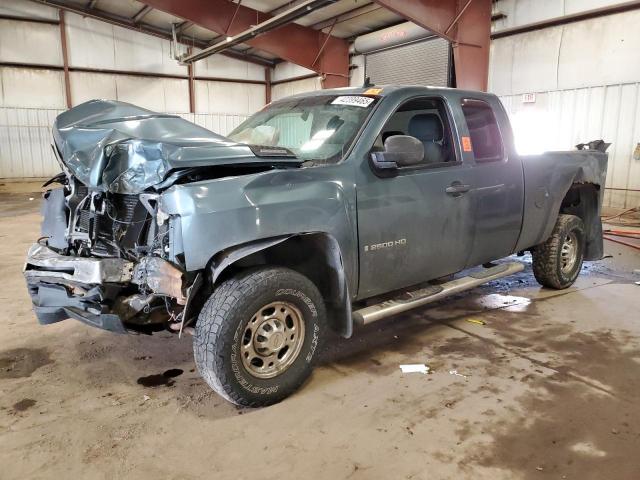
(432, 293)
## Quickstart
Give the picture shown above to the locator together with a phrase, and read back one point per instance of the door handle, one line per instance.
(456, 189)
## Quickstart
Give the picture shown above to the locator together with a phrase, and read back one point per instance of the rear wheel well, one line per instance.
(582, 200)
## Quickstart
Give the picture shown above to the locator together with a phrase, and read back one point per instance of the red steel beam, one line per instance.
(65, 58)
(267, 85)
(465, 23)
(291, 42)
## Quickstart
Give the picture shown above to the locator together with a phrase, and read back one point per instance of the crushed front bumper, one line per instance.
(108, 293)
(82, 288)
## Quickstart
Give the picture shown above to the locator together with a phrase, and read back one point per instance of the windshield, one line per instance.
(312, 128)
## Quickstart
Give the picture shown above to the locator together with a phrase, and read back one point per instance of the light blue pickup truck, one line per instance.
(321, 211)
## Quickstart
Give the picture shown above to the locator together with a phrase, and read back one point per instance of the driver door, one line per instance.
(417, 225)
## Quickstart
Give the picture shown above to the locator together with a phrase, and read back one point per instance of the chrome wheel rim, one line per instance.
(569, 253)
(272, 339)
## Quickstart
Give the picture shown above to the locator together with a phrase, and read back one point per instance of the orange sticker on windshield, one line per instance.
(373, 91)
(466, 144)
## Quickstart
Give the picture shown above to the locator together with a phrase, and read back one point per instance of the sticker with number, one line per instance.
(353, 101)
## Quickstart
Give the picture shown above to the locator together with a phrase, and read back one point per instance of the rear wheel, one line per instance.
(258, 335)
(557, 262)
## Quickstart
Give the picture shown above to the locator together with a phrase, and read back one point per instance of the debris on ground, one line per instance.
(415, 368)
(477, 321)
(456, 373)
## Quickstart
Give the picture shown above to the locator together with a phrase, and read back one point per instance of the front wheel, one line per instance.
(258, 335)
(557, 262)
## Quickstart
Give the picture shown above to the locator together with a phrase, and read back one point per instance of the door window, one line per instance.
(486, 142)
(427, 120)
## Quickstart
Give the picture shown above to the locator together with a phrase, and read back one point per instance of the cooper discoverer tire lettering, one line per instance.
(258, 335)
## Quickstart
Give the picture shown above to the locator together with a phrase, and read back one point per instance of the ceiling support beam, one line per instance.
(181, 27)
(294, 43)
(269, 25)
(141, 13)
(465, 23)
(14, 18)
(284, 6)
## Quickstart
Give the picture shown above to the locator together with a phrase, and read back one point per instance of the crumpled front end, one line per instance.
(108, 254)
(109, 260)
(116, 147)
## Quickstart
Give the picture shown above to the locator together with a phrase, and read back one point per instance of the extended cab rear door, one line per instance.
(417, 224)
(497, 191)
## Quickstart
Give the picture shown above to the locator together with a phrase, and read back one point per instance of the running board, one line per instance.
(432, 293)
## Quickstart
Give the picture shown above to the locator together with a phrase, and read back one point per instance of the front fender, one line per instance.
(216, 215)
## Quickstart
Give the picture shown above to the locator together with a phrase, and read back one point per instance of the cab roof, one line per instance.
(385, 90)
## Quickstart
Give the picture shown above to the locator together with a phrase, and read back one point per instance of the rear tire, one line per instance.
(557, 262)
(258, 335)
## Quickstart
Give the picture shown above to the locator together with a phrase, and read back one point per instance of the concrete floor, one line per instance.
(549, 389)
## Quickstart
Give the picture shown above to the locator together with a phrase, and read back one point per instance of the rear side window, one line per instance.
(486, 141)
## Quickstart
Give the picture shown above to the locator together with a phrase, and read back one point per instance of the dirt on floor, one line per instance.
(526, 383)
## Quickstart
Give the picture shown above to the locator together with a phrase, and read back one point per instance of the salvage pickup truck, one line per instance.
(320, 211)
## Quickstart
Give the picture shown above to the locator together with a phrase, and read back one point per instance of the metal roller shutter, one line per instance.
(420, 63)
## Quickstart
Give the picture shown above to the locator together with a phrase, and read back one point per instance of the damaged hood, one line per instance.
(118, 147)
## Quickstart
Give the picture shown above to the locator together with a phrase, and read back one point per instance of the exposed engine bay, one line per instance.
(106, 257)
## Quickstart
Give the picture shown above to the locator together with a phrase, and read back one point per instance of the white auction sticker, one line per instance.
(353, 101)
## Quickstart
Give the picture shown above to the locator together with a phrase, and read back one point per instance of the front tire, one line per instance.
(258, 335)
(557, 262)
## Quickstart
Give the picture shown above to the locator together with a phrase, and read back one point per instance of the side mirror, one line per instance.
(399, 151)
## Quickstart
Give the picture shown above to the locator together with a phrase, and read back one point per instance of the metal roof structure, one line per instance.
(314, 34)
(346, 18)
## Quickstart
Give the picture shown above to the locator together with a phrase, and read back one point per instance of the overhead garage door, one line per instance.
(421, 63)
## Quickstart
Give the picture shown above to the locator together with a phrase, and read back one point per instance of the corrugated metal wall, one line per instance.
(284, 75)
(25, 138)
(30, 98)
(559, 120)
(286, 89)
(585, 76)
(523, 12)
(25, 143)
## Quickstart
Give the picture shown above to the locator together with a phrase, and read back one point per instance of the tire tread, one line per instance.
(545, 255)
(210, 342)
